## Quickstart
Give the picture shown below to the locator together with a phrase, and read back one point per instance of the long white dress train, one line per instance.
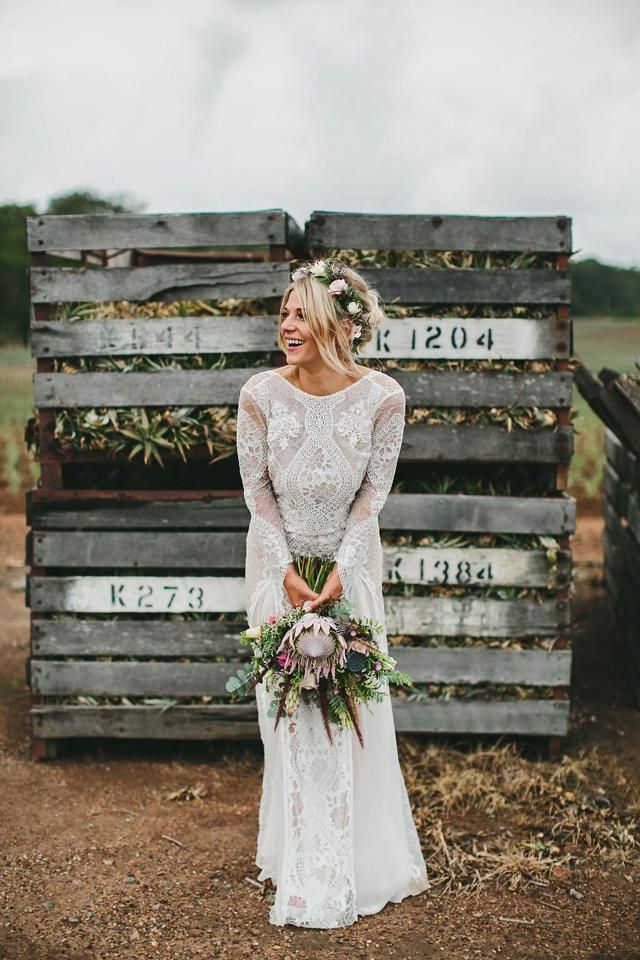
(336, 833)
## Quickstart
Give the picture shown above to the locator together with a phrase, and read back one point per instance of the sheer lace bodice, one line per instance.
(336, 833)
(317, 470)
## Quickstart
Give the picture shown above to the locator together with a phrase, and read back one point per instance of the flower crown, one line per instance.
(332, 273)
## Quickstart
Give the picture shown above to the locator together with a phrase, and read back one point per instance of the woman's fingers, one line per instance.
(323, 598)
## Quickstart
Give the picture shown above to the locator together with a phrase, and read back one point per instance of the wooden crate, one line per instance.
(621, 542)
(493, 314)
(89, 538)
(110, 565)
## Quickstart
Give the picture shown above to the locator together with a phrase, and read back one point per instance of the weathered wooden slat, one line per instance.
(471, 566)
(90, 549)
(622, 593)
(215, 281)
(418, 338)
(249, 228)
(469, 338)
(470, 286)
(485, 443)
(68, 636)
(125, 510)
(212, 722)
(378, 231)
(158, 336)
(162, 550)
(622, 586)
(137, 594)
(431, 616)
(183, 679)
(473, 616)
(422, 443)
(531, 717)
(130, 679)
(475, 665)
(239, 721)
(625, 504)
(624, 539)
(622, 460)
(184, 281)
(611, 402)
(208, 387)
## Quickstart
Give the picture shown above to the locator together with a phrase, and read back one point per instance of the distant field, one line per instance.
(17, 471)
(599, 342)
(605, 342)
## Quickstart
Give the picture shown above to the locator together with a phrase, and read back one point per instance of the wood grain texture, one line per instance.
(250, 228)
(465, 389)
(626, 465)
(418, 616)
(184, 281)
(70, 636)
(215, 281)
(374, 231)
(236, 721)
(418, 338)
(625, 504)
(455, 513)
(182, 679)
(484, 443)
(181, 550)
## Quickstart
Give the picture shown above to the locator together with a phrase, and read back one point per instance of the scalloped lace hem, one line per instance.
(413, 889)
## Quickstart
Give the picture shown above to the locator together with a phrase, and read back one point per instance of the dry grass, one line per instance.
(550, 818)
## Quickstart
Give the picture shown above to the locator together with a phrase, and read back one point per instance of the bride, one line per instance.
(318, 443)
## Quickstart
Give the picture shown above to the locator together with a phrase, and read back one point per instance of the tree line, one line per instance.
(597, 289)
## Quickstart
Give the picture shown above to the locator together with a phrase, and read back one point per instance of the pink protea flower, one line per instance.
(313, 644)
(282, 658)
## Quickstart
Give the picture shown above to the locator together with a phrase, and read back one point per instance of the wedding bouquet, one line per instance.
(328, 657)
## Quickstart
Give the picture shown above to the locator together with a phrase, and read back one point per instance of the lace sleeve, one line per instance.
(362, 521)
(258, 492)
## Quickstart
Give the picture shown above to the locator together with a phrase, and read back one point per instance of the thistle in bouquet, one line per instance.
(328, 657)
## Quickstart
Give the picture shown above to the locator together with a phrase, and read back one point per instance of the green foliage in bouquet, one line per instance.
(328, 657)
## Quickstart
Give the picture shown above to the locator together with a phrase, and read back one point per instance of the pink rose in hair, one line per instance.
(337, 286)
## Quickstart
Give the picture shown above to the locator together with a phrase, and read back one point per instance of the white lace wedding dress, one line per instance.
(336, 834)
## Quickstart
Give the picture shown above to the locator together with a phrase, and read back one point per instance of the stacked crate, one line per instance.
(452, 633)
(621, 542)
(136, 587)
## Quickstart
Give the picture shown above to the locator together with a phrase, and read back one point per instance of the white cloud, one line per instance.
(416, 106)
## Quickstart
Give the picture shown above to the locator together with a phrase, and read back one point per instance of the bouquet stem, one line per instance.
(314, 570)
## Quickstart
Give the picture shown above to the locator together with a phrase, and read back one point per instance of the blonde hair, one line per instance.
(329, 323)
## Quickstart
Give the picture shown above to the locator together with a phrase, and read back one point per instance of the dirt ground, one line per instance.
(97, 862)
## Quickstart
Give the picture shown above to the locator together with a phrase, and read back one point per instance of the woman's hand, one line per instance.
(297, 587)
(332, 590)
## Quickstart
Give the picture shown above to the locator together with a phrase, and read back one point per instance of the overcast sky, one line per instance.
(494, 107)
